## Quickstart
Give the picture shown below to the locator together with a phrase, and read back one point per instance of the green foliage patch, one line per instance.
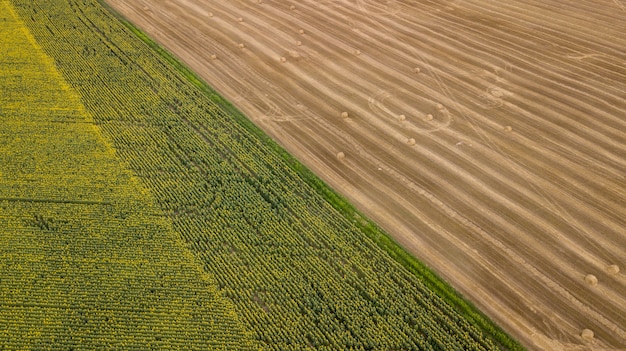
(87, 261)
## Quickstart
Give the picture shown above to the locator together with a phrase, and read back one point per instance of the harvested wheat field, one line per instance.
(488, 138)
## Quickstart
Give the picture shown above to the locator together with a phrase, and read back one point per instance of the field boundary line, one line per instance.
(55, 201)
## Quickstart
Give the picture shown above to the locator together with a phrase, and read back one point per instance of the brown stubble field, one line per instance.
(487, 137)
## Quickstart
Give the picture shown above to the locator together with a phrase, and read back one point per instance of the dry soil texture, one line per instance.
(488, 137)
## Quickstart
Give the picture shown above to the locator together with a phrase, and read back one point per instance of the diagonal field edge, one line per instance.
(371, 229)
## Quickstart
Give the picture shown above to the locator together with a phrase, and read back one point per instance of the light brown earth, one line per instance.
(488, 137)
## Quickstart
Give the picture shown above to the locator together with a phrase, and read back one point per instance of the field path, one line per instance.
(487, 137)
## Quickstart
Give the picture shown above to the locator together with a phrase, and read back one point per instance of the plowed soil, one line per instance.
(487, 137)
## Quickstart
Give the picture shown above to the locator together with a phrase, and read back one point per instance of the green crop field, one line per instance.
(196, 229)
(87, 261)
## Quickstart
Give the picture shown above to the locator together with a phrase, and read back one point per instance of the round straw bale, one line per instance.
(587, 334)
(591, 280)
(612, 269)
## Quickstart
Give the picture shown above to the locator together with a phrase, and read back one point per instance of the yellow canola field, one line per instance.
(86, 259)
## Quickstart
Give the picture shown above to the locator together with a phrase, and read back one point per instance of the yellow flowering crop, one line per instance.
(86, 260)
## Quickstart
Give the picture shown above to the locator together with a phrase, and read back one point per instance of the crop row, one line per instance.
(86, 259)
